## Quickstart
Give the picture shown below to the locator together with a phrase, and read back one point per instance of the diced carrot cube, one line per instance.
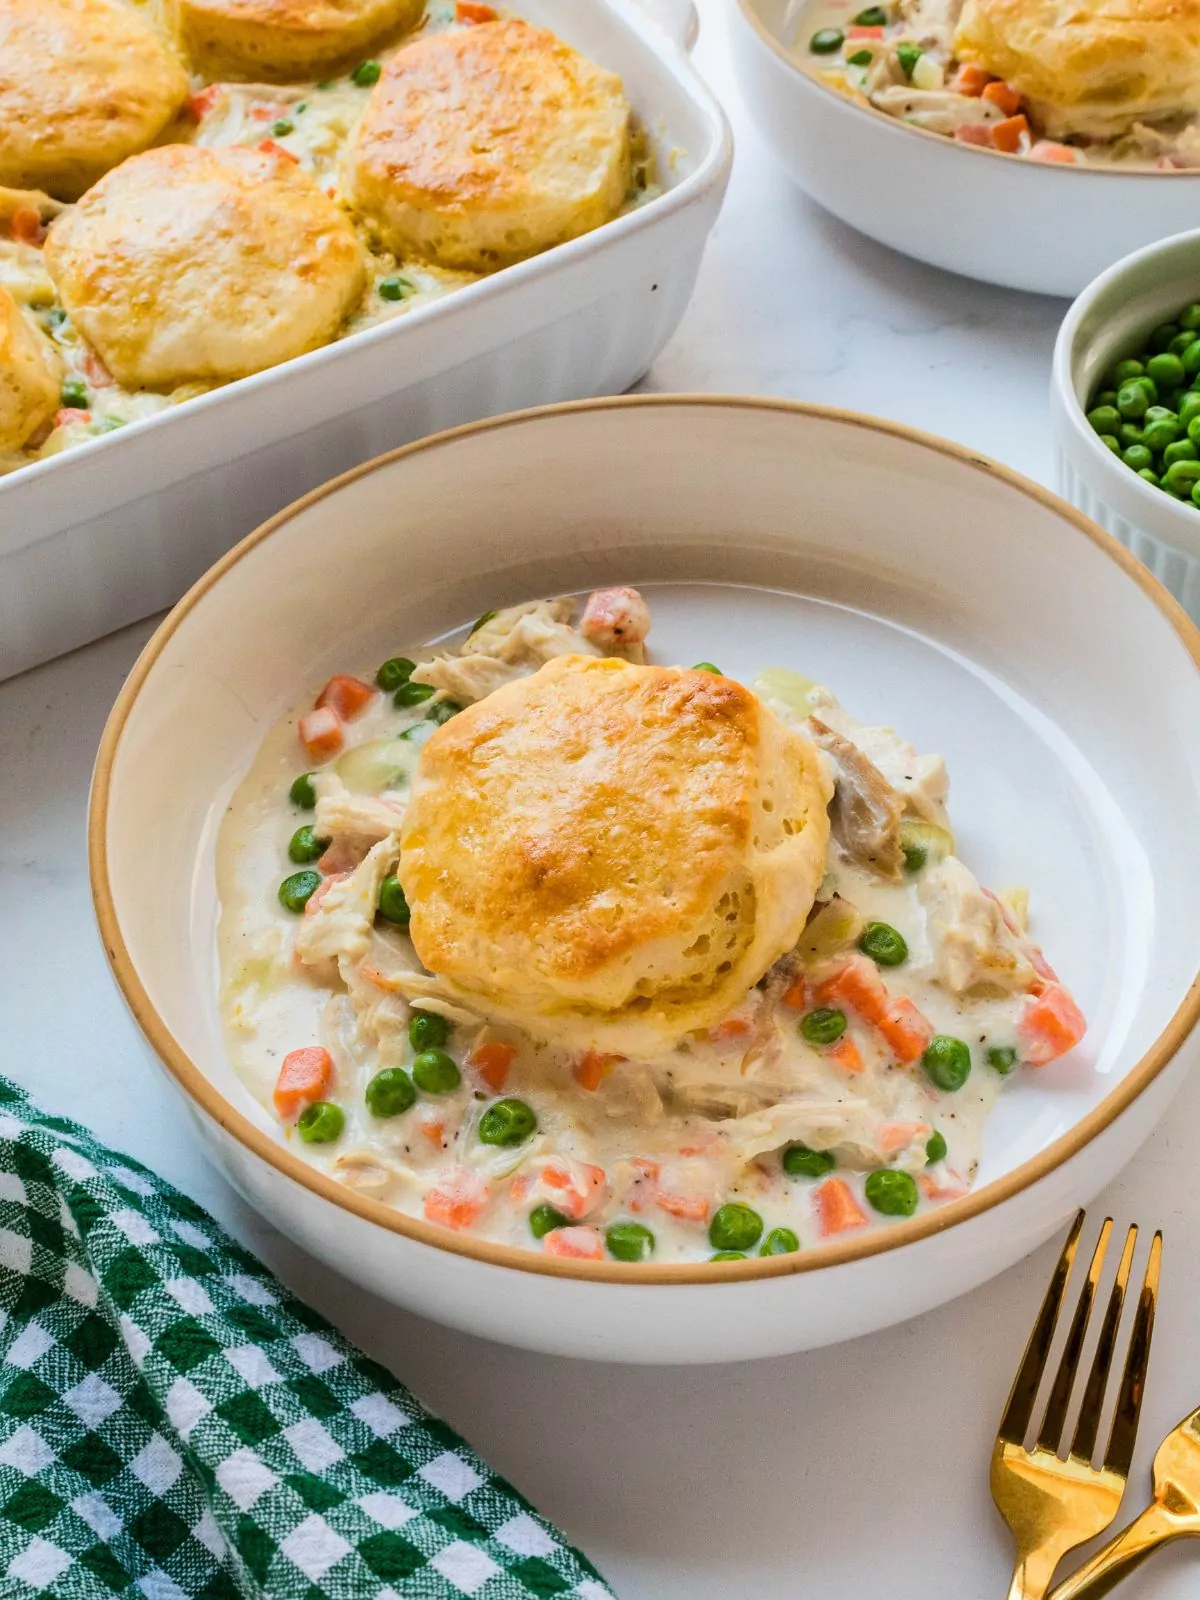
(433, 1129)
(321, 733)
(977, 133)
(459, 1201)
(304, 1077)
(472, 11)
(592, 1068)
(69, 414)
(971, 81)
(904, 1029)
(1007, 135)
(578, 1244)
(837, 1209)
(1050, 1024)
(348, 696)
(933, 1190)
(688, 1207)
(199, 105)
(796, 994)
(1003, 96)
(862, 32)
(268, 147)
(577, 1189)
(896, 1136)
(731, 1028)
(26, 225)
(98, 374)
(1055, 154)
(846, 1054)
(492, 1061)
(857, 985)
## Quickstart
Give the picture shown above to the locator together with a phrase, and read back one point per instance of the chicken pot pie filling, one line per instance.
(572, 1077)
(309, 126)
(1090, 89)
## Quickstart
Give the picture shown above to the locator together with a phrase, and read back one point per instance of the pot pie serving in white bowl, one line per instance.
(1095, 109)
(615, 939)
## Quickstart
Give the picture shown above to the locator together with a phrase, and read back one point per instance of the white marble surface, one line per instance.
(849, 1473)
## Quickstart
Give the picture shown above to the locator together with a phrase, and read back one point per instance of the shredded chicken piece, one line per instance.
(509, 645)
(939, 110)
(617, 622)
(360, 818)
(824, 1124)
(371, 1172)
(866, 810)
(921, 781)
(974, 948)
(342, 925)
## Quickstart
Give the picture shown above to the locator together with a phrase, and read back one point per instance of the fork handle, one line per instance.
(1122, 1555)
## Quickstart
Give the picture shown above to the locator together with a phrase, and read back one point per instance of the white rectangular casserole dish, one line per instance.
(118, 528)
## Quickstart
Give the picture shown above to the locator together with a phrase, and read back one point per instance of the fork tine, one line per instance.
(1119, 1455)
(1055, 1419)
(1017, 1414)
(1084, 1446)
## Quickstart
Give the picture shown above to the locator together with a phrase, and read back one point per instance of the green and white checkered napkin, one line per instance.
(173, 1423)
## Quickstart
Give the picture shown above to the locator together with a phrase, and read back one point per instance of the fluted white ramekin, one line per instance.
(1108, 321)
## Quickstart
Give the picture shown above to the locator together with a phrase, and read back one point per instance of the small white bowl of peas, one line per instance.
(1125, 397)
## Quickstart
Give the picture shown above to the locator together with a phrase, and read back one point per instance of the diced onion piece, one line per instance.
(927, 73)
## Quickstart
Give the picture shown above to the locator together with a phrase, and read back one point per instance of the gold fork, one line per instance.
(1051, 1504)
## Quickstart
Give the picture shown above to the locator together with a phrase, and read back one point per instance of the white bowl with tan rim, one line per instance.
(931, 589)
(1000, 218)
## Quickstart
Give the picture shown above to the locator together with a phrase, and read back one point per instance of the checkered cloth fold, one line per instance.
(173, 1423)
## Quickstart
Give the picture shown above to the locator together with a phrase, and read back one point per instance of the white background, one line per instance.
(849, 1474)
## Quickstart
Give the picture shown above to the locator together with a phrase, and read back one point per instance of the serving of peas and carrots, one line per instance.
(1146, 408)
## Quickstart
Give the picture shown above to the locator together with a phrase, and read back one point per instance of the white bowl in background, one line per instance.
(931, 589)
(1108, 322)
(999, 218)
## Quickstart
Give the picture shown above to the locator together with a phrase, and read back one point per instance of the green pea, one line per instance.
(1163, 334)
(1132, 400)
(1106, 397)
(1002, 1058)
(1124, 370)
(395, 288)
(872, 17)
(735, 1227)
(907, 55)
(779, 1242)
(1196, 494)
(1166, 369)
(295, 892)
(861, 58)
(435, 1072)
(305, 846)
(302, 793)
(947, 1062)
(1182, 475)
(327, 83)
(894, 1194)
(915, 857)
(729, 1255)
(303, 106)
(799, 1161)
(412, 694)
(55, 317)
(1181, 450)
(1189, 406)
(366, 73)
(1181, 342)
(1189, 317)
(1193, 429)
(1137, 457)
(321, 1122)
(823, 1026)
(442, 712)
(507, 1122)
(629, 1241)
(1129, 433)
(1160, 434)
(394, 671)
(884, 944)
(390, 1093)
(1148, 384)
(935, 1148)
(544, 1220)
(707, 666)
(75, 394)
(427, 1031)
(283, 127)
(1149, 475)
(392, 903)
(1110, 442)
(1105, 419)
(483, 621)
(825, 41)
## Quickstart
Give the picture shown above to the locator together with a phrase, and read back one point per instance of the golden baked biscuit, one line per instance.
(83, 84)
(1088, 66)
(30, 376)
(283, 39)
(486, 145)
(610, 855)
(187, 264)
